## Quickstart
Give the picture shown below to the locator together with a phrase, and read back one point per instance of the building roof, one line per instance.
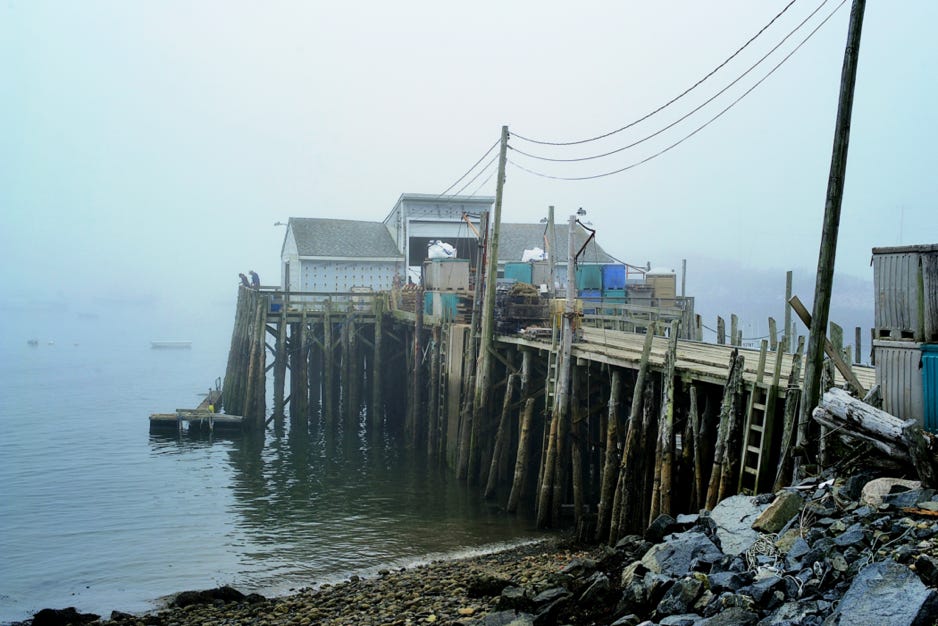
(515, 238)
(320, 237)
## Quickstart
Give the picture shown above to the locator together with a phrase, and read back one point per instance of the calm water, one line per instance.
(97, 513)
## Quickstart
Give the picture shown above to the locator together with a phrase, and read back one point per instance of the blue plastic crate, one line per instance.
(930, 385)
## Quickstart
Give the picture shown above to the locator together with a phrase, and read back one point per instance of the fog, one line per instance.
(147, 149)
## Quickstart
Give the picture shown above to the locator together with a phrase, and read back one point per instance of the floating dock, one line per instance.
(202, 418)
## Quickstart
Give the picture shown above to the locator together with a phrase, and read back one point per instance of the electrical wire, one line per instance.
(484, 182)
(666, 104)
(689, 113)
(458, 180)
(480, 172)
(699, 128)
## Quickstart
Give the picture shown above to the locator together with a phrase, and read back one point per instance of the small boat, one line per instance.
(32, 342)
(172, 344)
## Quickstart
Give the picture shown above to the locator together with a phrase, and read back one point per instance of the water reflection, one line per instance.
(312, 503)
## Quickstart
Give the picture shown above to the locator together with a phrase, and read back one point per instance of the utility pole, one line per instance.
(484, 373)
(552, 262)
(789, 340)
(814, 359)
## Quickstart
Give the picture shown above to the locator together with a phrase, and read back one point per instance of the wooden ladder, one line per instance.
(444, 362)
(550, 381)
(758, 430)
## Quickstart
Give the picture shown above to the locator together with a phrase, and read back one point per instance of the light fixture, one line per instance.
(581, 211)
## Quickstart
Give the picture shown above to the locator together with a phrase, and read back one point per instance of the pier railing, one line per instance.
(318, 302)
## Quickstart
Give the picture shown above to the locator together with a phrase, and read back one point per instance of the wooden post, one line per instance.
(666, 436)
(483, 379)
(550, 484)
(377, 408)
(301, 372)
(792, 397)
(414, 412)
(610, 472)
(280, 364)
(831, 225)
(727, 409)
(829, 349)
(354, 370)
(773, 335)
(683, 277)
(315, 367)
(734, 330)
(521, 462)
(625, 500)
(551, 254)
(789, 337)
(433, 410)
(721, 331)
(694, 418)
(501, 438)
(857, 358)
(328, 365)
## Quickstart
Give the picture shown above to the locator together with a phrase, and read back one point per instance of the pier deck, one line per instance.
(695, 360)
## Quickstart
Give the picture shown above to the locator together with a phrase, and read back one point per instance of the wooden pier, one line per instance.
(652, 422)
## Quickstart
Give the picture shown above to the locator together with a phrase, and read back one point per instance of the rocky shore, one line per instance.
(852, 551)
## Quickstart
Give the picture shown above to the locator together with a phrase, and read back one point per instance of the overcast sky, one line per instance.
(151, 146)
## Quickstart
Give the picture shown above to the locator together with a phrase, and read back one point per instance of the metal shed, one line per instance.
(906, 290)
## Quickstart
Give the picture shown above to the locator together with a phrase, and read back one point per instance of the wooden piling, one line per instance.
(501, 439)
(727, 410)
(792, 397)
(301, 372)
(377, 408)
(734, 330)
(433, 399)
(625, 499)
(280, 365)
(610, 473)
(773, 334)
(666, 434)
(521, 460)
(328, 365)
(721, 331)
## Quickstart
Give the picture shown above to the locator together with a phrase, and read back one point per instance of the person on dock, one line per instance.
(255, 279)
(244, 280)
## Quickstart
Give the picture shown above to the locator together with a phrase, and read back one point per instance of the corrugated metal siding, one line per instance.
(896, 284)
(930, 284)
(898, 370)
(930, 386)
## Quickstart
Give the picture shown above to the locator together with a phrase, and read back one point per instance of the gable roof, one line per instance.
(318, 237)
(515, 238)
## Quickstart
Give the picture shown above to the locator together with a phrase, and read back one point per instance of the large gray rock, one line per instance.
(886, 593)
(874, 490)
(733, 616)
(734, 518)
(680, 597)
(677, 556)
(507, 618)
(786, 505)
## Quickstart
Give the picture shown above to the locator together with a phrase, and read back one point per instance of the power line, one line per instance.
(484, 182)
(668, 103)
(689, 113)
(480, 172)
(492, 147)
(699, 128)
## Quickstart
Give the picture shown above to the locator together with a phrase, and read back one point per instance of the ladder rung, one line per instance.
(758, 405)
(756, 427)
(754, 449)
(750, 470)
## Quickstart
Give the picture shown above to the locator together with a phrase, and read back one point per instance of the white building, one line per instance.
(335, 256)
(417, 219)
